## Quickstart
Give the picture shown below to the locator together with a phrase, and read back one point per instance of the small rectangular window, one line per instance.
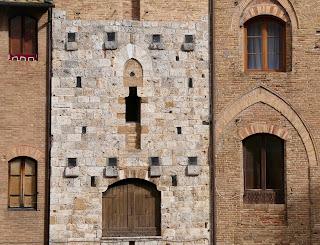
(190, 83)
(112, 161)
(179, 130)
(79, 85)
(71, 37)
(156, 38)
(93, 181)
(133, 106)
(174, 180)
(111, 36)
(84, 130)
(192, 160)
(188, 39)
(154, 161)
(72, 162)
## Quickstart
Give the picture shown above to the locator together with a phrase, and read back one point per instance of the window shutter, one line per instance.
(29, 36)
(15, 35)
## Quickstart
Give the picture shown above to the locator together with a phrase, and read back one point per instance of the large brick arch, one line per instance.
(261, 94)
(270, 9)
(25, 150)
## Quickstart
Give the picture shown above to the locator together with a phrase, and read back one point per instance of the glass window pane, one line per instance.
(252, 157)
(14, 187)
(30, 36)
(15, 35)
(14, 202)
(274, 45)
(274, 162)
(254, 46)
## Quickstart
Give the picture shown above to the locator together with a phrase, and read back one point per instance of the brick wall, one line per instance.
(149, 9)
(22, 130)
(291, 103)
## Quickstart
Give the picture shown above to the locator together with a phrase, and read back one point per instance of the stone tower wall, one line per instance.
(167, 103)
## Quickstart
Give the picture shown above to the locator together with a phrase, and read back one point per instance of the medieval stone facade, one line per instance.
(168, 122)
(100, 66)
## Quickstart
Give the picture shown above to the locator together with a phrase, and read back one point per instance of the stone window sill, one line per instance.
(127, 239)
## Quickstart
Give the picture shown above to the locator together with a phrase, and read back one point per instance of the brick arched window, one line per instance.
(263, 156)
(131, 208)
(23, 37)
(265, 44)
(22, 183)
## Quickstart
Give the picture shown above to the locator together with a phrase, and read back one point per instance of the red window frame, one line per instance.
(20, 53)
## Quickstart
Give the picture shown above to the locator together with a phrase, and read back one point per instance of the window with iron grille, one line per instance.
(23, 33)
(263, 169)
(22, 183)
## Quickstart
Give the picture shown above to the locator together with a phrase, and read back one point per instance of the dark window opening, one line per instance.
(156, 38)
(264, 169)
(112, 162)
(79, 85)
(111, 36)
(192, 160)
(23, 33)
(179, 130)
(174, 180)
(155, 161)
(188, 38)
(190, 83)
(22, 183)
(72, 162)
(71, 37)
(177, 58)
(84, 130)
(133, 106)
(93, 181)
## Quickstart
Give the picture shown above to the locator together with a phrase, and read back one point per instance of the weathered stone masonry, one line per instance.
(168, 101)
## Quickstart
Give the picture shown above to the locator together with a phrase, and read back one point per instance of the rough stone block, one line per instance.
(188, 47)
(111, 171)
(193, 170)
(72, 172)
(155, 171)
(71, 46)
(110, 45)
(156, 46)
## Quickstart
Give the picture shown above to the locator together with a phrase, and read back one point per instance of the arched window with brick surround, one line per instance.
(22, 183)
(265, 47)
(263, 156)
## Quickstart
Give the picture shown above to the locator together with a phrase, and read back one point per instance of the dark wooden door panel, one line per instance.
(131, 209)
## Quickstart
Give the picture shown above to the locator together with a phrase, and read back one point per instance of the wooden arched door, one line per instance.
(131, 208)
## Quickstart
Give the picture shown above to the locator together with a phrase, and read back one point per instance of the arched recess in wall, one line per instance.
(132, 51)
(278, 8)
(132, 74)
(261, 94)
